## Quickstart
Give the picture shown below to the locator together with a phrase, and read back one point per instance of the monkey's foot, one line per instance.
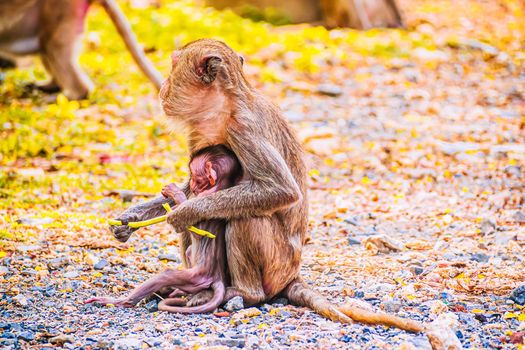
(200, 298)
(110, 301)
(177, 293)
(49, 88)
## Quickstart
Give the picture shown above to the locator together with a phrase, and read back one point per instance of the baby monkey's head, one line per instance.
(212, 169)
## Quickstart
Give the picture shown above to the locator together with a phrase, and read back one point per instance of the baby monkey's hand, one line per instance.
(174, 192)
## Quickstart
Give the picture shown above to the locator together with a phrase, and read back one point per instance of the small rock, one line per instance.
(99, 265)
(61, 339)
(391, 306)
(234, 304)
(34, 221)
(518, 295)
(28, 248)
(127, 343)
(228, 342)
(438, 307)
(91, 259)
(152, 306)
(20, 300)
(353, 241)
(329, 90)
(26, 335)
(169, 257)
(163, 327)
(293, 116)
(441, 332)
(71, 274)
(153, 342)
(519, 216)
(57, 263)
(102, 344)
(416, 270)
(4, 271)
(382, 244)
(479, 257)
(487, 226)
(280, 301)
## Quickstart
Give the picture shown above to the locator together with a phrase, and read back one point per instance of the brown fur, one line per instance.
(52, 29)
(267, 211)
(212, 169)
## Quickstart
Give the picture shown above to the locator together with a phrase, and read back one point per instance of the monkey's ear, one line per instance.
(211, 173)
(208, 68)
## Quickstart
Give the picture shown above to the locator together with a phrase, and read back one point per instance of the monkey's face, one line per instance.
(204, 76)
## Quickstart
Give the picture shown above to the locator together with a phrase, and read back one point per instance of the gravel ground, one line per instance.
(417, 208)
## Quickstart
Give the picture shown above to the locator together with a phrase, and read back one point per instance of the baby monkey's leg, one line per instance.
(181, 279)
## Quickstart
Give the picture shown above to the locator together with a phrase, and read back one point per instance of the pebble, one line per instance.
(391, 306)
(28, 248)
(294, 116)
(228, 342)
(280, 301)
(169, 257)
(353, 241)
(487, 226)
(518, 295)
(55, 264)
(26, 335)
(71, 274)
(416, 270)
(34, 221)
(519, 216)
(234, 304)
(127, 343)
(152, 306)
(437, 307)
(20, 300)
(329, 90)
(4, 270)
(62, 339)
(99, 265)
(479, 257)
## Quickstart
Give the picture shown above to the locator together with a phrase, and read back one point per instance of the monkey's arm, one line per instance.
(267, 186)
(142, 211)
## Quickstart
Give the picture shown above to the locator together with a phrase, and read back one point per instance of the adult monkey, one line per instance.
(267, 210)
(52, 28)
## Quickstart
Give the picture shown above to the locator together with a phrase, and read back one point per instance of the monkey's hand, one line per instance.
(174, 192)
(183, 216)
(123, 232)
(121, 302)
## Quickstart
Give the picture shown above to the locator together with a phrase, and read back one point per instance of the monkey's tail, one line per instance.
(218, 296)
(124, 29)
(300, 294)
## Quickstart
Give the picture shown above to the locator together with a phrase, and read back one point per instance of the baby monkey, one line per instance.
(212, 169)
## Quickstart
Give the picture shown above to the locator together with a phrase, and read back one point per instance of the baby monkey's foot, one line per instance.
(120, 302)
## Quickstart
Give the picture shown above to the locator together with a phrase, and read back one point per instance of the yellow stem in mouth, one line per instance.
(138, 224)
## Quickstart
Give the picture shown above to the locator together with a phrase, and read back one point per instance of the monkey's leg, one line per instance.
(60, 41)
(182, 279)
(51, 86)
(261, 259)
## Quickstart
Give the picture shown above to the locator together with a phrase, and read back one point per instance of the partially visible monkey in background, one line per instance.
(52, 29)
(267, 211)
(212, 169)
